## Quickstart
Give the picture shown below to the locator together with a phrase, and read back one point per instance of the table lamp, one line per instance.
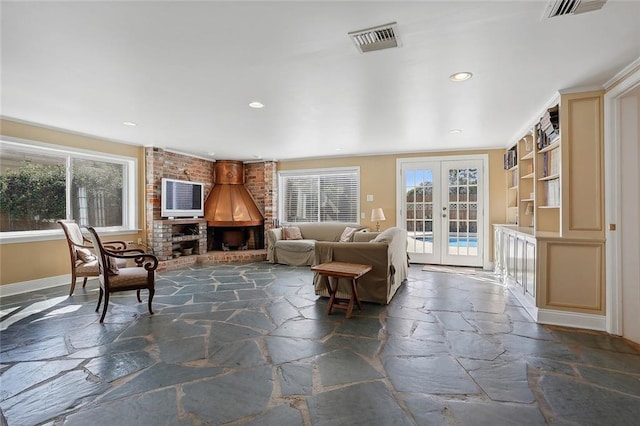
(377, 215)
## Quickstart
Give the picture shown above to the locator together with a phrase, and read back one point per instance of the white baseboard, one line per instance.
(39, 284)
(572, 319)
(561, 318)
(527, 303)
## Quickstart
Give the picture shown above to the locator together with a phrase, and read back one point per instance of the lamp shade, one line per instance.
(377, 214)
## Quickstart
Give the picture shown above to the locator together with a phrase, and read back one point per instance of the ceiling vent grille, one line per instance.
(376, 38)
(572, 7)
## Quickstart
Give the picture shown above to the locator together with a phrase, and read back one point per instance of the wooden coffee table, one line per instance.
(336, 270)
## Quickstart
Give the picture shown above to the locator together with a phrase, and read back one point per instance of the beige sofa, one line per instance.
(386, 251)
(302, 252)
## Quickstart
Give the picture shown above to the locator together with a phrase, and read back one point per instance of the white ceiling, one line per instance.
(186, 71)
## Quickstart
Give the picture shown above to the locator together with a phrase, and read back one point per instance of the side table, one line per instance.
(334, 271)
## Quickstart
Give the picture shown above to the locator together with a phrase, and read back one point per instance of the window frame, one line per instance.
(313, 172)
(129, 192)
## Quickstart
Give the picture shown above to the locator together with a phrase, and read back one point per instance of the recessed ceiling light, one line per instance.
(129, 123)
(256, 104)
(338, 149)
(460, 76)
(455, 131)
(257, 157)
(211, 154)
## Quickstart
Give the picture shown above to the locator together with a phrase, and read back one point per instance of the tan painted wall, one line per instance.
(21, 262)
(378, 178)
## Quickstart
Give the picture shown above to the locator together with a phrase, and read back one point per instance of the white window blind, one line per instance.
(327, 195)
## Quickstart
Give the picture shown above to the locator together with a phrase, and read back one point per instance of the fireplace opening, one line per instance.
(231, 238)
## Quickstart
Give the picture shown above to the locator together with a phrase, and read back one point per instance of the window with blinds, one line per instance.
(326, 195)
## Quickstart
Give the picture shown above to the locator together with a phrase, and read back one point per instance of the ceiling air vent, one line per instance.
(572, 7)
(376, 38)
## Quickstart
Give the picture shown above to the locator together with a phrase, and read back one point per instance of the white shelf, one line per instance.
(528, 156)
(550, 177)
(550, 147)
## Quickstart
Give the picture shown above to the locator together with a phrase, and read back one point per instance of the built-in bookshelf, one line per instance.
(555, 219)
(526, 187)
(512, 195)
(548, 140)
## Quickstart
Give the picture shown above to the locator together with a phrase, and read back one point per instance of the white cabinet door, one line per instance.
(530, 267)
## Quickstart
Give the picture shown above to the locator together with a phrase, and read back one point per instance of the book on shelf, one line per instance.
(550, 118)
(552, 190)
(551, 162)
(510, 159)
(548, 129)
(554, 162)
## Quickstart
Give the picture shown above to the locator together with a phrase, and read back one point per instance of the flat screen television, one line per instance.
(181, 198)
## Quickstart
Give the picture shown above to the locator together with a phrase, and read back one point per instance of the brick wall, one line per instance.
(270, 195)
(260, 180)
(254, 182)
(160, 163)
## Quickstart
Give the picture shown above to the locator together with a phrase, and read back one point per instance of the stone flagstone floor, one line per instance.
(252, 345)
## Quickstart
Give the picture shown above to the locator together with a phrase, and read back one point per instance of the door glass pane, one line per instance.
(453, 194)
(473, 176)
(453, 176)
(473, 211)
(453, 211)
(419, 210)
(462, 194)
(473, 193)
(462, 177)
(463, 214)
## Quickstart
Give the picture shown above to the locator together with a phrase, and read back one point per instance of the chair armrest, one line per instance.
(274, 234)
(115, 245)
(151, 264)
(90, 246)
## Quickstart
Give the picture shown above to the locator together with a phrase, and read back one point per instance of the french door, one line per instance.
(441, 206)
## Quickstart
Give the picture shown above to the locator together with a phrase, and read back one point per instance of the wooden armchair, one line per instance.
(113, 279)
(84, 262)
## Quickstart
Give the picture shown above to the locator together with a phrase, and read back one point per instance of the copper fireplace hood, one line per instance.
(229, 203)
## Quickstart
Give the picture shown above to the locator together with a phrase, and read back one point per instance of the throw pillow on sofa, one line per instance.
(291, 233)
(347, 234)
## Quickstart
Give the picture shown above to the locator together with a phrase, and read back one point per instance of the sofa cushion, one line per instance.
(296, 245)
(347, 234)
(291, 233)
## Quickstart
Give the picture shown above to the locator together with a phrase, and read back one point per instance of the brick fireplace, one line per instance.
(259, 181)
